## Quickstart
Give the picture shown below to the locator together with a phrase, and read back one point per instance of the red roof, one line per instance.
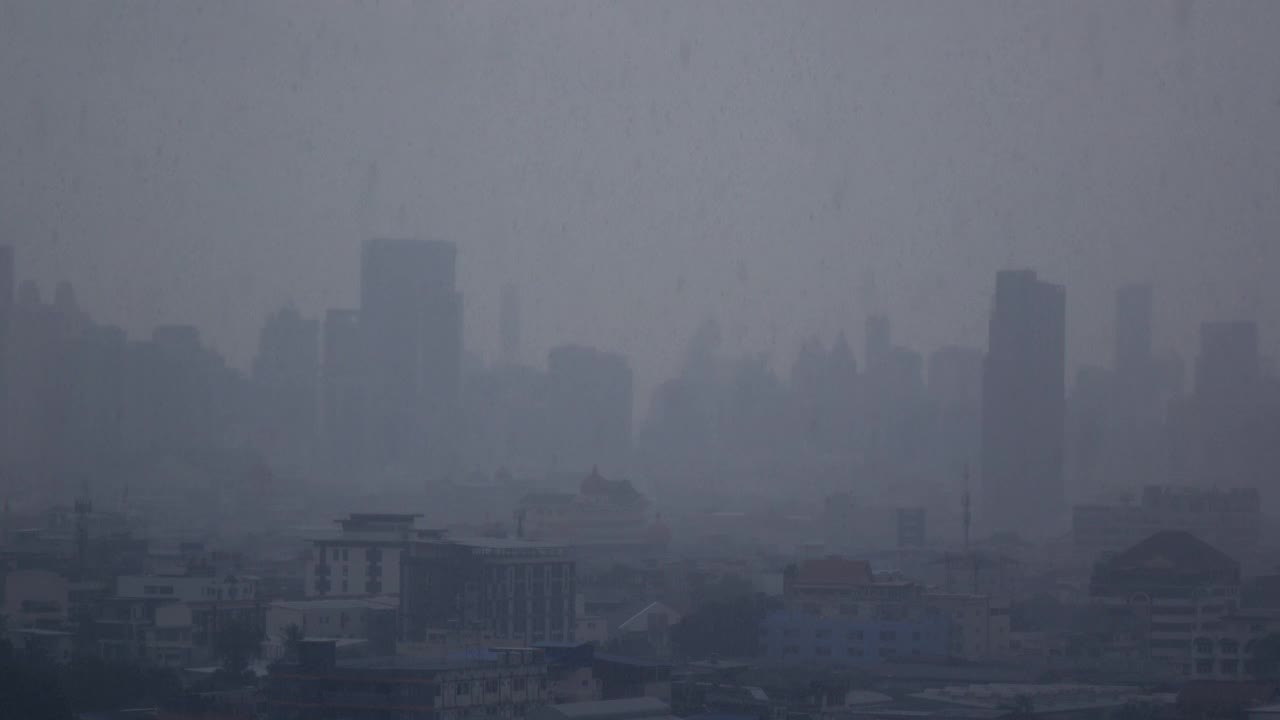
(833, 571)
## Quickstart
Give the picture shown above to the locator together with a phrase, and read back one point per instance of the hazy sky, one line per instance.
(635, 167)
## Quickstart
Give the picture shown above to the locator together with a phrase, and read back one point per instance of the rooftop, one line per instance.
(364, 603)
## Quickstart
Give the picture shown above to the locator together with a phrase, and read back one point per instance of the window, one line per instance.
(822, 633)
(344, 585)
(822, 651)
(462, 689)
(791, 650)
(811, 609)
(491, 685)
(916, 636)
(887, 652)
(888, 635)
(854, 651)
(855, 635)
(517, 684)
(334, 555)
(849, 610)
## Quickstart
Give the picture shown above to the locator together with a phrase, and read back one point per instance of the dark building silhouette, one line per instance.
(1023, 405)
(411, 332)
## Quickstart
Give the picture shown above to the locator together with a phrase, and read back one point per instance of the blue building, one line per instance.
(797, 638)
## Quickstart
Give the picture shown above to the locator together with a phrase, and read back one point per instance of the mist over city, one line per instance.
(628, 361)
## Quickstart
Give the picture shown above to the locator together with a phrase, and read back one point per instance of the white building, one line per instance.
(362, 558)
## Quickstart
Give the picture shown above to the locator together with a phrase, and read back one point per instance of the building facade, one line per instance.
(464, 591)
(1023, 406)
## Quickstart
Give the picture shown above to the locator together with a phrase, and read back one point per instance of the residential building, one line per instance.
(371, 618)
(470, 590)
(979, 626)
(502, 683)
(1024, 406)
(1184, 586)
(362, 557)
(835, 613)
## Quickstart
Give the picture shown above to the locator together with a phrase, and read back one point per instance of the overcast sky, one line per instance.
(635, 167)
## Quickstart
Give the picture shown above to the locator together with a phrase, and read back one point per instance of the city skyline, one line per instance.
(618, 236)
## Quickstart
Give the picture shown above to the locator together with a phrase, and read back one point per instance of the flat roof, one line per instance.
(367, 603)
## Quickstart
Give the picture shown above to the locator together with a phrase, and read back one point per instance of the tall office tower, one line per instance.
(342, 395)
(6, 318)
(510, 322)
(286, 373)
(411, 331)
(1228, 368)
(590, 402)
(1133, 330)
(877, 340)
(1225, 433)
(1023, 405)
(1137, 382)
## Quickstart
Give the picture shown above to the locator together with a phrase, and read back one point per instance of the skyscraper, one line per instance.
(286, 371)
(1023, 405)
(1133, 330)
(411, 333)
(342, 396)
(591, 404)
(510, 322)
(877, 340)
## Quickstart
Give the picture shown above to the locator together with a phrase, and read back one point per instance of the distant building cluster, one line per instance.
(372, 523)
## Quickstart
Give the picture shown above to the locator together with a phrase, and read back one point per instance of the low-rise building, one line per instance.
(836, 613)
(1183, 586)
(360, 558)
(486, 590)
(363, 618)
(504, 683)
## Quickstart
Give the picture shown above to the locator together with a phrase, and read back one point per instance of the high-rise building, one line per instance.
(1224, 434)
(877, 340)
(411, 332)
(342, 397)
(286, 371)
(1228, 367)
(591, 404)
(1133, 330)
(1023, 407)
(510, 322)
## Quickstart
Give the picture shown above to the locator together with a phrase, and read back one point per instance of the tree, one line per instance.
(237, 643)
